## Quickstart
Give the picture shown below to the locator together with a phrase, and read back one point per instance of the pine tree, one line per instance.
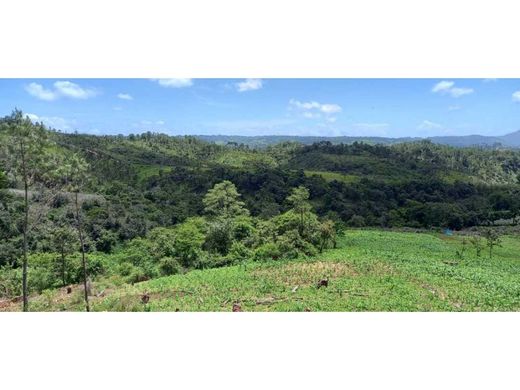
(30, 160)
(74, 176)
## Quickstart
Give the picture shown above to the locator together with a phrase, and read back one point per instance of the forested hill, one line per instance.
(154, 180)
(511, 140)
(129, 195)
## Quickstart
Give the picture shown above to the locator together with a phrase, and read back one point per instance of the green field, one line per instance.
(370, 271)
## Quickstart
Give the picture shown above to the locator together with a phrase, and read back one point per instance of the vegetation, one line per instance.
(371, 270)
(127, 211)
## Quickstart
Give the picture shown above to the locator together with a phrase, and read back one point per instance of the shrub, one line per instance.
(356, 221)
(267, 251)
(239, 253)
(188, 243)
(169, 266)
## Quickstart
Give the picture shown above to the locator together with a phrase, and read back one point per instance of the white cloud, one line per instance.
(38, 91)
(311, 115)
(55, 122)
(448, 88)
(443, 86)
(74, 91)
(160, 123)
(125, 96)
(454, 108)
(516, 96)
(428, 125)
(458, 92)
(249, 85)
(33, 117)
(61, 89)
(174, 83)
(331, 119)
(330, 108)
(313, 109)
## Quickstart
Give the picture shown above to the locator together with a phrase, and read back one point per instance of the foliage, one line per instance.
(372, 270)
(492, 239)
(223, 201)
(152, 205)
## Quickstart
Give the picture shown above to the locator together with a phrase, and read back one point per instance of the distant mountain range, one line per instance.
(511, 140)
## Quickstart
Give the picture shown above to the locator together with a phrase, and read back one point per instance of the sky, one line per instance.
(324, 107)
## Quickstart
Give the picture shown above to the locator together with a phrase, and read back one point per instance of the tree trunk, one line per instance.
(63, 267)
(25, 291)
(83, 257)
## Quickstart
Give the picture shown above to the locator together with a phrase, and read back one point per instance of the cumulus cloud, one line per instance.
(74, 91)
(428, 125)
(55, 122)
(125, 96)
(457, 92)
(443, 86)
(60, 89)
(249, 85)
(516, 96)
(313, 109)
(174, 83)
(448, 88)
(38, 91)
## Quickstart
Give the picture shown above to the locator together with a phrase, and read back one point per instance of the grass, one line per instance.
(330, 176)
(370, 271)
(144, 172)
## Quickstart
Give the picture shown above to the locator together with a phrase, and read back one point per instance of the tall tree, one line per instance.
(28, 158)
(299, 200)
(223, 201)
(74, 174)
(64, 240)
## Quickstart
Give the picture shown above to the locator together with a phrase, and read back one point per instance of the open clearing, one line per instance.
(370, 271)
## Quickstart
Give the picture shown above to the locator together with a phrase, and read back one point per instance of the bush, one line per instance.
(131, 273)
(106, 241)
(267, 251)
(219, 237)
(10, 282)
(188, 243)
(356, 221)
(239, 253)
(169, 266)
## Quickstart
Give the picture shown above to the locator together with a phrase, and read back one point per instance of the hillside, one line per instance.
(370, 271)
(511, 140)
(127, 209)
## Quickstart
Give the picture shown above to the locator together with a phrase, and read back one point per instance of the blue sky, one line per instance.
(327, 107)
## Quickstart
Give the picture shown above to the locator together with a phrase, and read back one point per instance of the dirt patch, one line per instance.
(305, 274)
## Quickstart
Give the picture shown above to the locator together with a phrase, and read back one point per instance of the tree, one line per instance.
(188, 242)
(299, 199)
(492, 239)
(30, 160)
(476, 241)
(223, 201)
(74, 174)
(3, 180)
(327, 234)
(64, 241)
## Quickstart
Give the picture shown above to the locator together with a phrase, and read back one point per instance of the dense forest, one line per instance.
(135, 207)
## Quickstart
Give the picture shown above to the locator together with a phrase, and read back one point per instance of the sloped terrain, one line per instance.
(370, 271)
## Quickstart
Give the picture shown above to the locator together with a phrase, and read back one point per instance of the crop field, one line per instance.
(371, 270)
